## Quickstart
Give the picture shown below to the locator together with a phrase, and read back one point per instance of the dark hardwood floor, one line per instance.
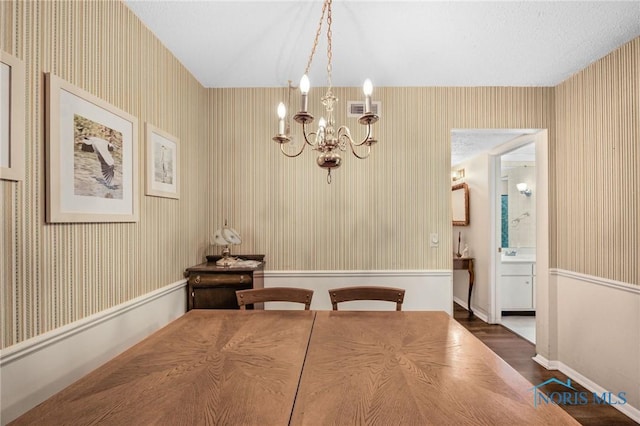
(518, 353)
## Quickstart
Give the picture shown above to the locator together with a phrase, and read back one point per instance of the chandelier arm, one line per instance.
(345, 134)
(344, 131)
(307, 135)
(361, 157)
(291, 155)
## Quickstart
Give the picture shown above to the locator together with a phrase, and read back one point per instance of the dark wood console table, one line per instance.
(466, 263)
(214, 287)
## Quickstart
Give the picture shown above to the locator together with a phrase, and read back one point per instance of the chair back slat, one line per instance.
(347, 294)
(274, 294)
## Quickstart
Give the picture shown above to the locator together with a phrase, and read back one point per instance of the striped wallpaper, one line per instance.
(598, 168)
(54, 274)
(377, 213)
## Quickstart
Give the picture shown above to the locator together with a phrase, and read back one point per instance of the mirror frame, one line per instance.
(460, 213)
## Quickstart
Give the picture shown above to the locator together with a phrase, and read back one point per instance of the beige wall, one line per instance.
(55, 274)
(523, 232)
(596, 294)
(597, 173)
(377, 214)
(477, 235)
(599, 334)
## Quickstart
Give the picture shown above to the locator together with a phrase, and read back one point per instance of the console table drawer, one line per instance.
(209, 280)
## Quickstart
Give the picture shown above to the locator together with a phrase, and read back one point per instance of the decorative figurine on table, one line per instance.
(458, 252)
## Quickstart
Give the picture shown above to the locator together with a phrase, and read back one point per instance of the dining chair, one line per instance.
(274, 294)
(346, 294)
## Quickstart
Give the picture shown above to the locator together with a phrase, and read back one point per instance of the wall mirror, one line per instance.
(460, 204)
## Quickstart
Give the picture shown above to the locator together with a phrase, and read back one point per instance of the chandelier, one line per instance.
(326, 139)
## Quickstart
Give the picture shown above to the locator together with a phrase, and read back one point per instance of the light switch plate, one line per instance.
(434, 240)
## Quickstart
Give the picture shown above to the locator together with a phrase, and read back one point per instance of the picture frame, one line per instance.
(162, 163)
(12, 119)
(91, 157)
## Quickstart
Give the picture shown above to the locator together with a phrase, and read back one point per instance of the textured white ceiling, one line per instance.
(467, 143)
(265, 43)
(395, 43)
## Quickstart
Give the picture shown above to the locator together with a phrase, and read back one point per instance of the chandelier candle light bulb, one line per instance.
(304, 91)
(322, 124)
(367, 88)
(282, 113)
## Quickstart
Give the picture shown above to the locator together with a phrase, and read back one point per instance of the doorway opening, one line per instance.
(515, 186)
(526, 237)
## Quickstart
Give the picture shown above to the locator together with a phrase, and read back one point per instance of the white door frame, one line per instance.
(540, 138)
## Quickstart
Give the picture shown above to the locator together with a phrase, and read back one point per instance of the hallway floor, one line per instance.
(523, 326)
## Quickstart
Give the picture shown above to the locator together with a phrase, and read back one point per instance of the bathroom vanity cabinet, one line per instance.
(518, 286)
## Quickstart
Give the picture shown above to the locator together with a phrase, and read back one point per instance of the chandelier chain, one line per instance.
(315, 41)
(288, 123)
(329, 53)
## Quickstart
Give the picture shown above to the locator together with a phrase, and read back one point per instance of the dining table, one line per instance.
(300, 367)
(410, 368)
(215, 367)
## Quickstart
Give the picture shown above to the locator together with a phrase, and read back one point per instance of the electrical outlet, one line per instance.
(434, 240)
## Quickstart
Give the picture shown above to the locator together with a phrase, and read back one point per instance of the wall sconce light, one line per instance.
(457, 175)
(522, 187)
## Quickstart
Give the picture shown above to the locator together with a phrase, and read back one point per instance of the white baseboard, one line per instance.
(430, 290)
(461, 302)
(477, 312)
(36, 369)
(549, 365)
(628, 410)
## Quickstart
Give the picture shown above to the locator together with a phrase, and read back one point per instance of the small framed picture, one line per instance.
(92, 157)
(12, 136)
(163, 163)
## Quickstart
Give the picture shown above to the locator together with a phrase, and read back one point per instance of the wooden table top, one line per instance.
(206, 367)
(409, 368)
(302, 368)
